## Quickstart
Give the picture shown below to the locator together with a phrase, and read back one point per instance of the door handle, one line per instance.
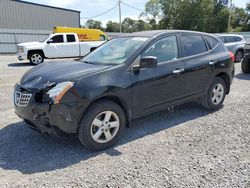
(177, 71)
(211, 63)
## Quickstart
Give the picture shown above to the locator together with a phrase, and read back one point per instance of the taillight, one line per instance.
(231, 54)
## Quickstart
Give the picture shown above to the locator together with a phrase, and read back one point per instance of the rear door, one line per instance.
(199, 60)
(71, 46)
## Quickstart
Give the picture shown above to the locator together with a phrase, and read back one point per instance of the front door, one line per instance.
(55, 47)
(161, 86)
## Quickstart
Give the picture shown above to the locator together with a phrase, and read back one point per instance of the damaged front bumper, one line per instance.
(56, 119)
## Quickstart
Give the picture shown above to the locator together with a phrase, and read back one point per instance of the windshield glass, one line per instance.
(44, 38)
(116, 51)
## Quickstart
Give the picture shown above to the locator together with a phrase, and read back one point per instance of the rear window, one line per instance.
(193, 45)
(212, 42)
(71, 38)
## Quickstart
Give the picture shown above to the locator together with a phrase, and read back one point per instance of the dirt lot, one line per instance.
(188, 148)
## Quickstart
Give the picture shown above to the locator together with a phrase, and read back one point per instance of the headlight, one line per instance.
(56, 93)
(20, 49)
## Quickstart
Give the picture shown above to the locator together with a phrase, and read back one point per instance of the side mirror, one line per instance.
(49, 41)
(148, 62)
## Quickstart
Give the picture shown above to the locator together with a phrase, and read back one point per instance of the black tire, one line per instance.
(34, 55)
(207, 100)
(239, 54)
(85, 127)
(245, 67)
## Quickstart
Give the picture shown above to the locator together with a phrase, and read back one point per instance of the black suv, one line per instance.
(245, 65)
(96, 97)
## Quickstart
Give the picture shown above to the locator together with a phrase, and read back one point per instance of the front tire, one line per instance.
(102, 125)
(36, 58)
(216, 95)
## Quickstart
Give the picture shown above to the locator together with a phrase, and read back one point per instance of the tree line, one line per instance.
(199, 15)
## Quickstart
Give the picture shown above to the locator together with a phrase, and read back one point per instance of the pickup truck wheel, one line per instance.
(245, 67)
(36, 58)
(239, 55)
(216, 95)
(102, 125)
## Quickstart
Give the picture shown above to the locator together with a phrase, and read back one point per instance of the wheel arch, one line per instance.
(226, 78)
(114, 99)
(32, 51)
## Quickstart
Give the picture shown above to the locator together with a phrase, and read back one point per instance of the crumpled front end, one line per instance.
(39, 111)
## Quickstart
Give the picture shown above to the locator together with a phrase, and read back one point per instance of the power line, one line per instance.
(132, 7)
(101, 13)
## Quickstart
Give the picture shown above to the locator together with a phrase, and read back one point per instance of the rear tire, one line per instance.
(216, 95)
(36, 58)
(102, 125)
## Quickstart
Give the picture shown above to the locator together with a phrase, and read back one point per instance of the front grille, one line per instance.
(22, 99)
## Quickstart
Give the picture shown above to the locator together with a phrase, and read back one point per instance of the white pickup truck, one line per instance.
(58, 45)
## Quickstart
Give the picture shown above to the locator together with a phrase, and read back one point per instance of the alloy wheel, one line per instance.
(36, 59)
(217, 94)
(105, 126)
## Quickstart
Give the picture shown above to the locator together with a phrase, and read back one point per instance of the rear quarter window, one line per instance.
(237, 39)
(193, 45)
(212, 42)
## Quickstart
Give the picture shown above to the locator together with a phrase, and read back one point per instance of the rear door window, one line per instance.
(71, 38)
(193, 45)
(229, 39)
(57, 39)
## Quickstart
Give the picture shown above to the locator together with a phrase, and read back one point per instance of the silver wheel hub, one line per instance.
(217, 94)
(36, 58)
(105, 126)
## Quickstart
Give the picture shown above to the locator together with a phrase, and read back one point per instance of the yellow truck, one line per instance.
(83, 34)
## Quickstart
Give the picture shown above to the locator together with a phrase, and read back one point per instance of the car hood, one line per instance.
(45, 74)
(29, 44)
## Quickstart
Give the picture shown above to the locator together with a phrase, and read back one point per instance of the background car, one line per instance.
(245, 65)
(235, 44)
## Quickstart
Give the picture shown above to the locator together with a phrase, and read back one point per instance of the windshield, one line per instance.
(116, 51)
(44, 38)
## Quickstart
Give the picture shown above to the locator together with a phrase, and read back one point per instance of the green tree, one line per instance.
(238, 18)
(128, 25)
(112, 26)
(93, 24)
(246, 26)
(201, 15)
(141, 25)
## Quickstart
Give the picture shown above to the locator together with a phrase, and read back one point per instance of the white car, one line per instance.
(235, 44)
(58, 45)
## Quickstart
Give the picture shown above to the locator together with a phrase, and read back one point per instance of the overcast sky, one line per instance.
(90, 8)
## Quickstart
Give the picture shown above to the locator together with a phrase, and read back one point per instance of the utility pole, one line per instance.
(120, 16)
(229, 17)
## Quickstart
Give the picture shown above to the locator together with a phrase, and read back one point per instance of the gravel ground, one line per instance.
(189, 147)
